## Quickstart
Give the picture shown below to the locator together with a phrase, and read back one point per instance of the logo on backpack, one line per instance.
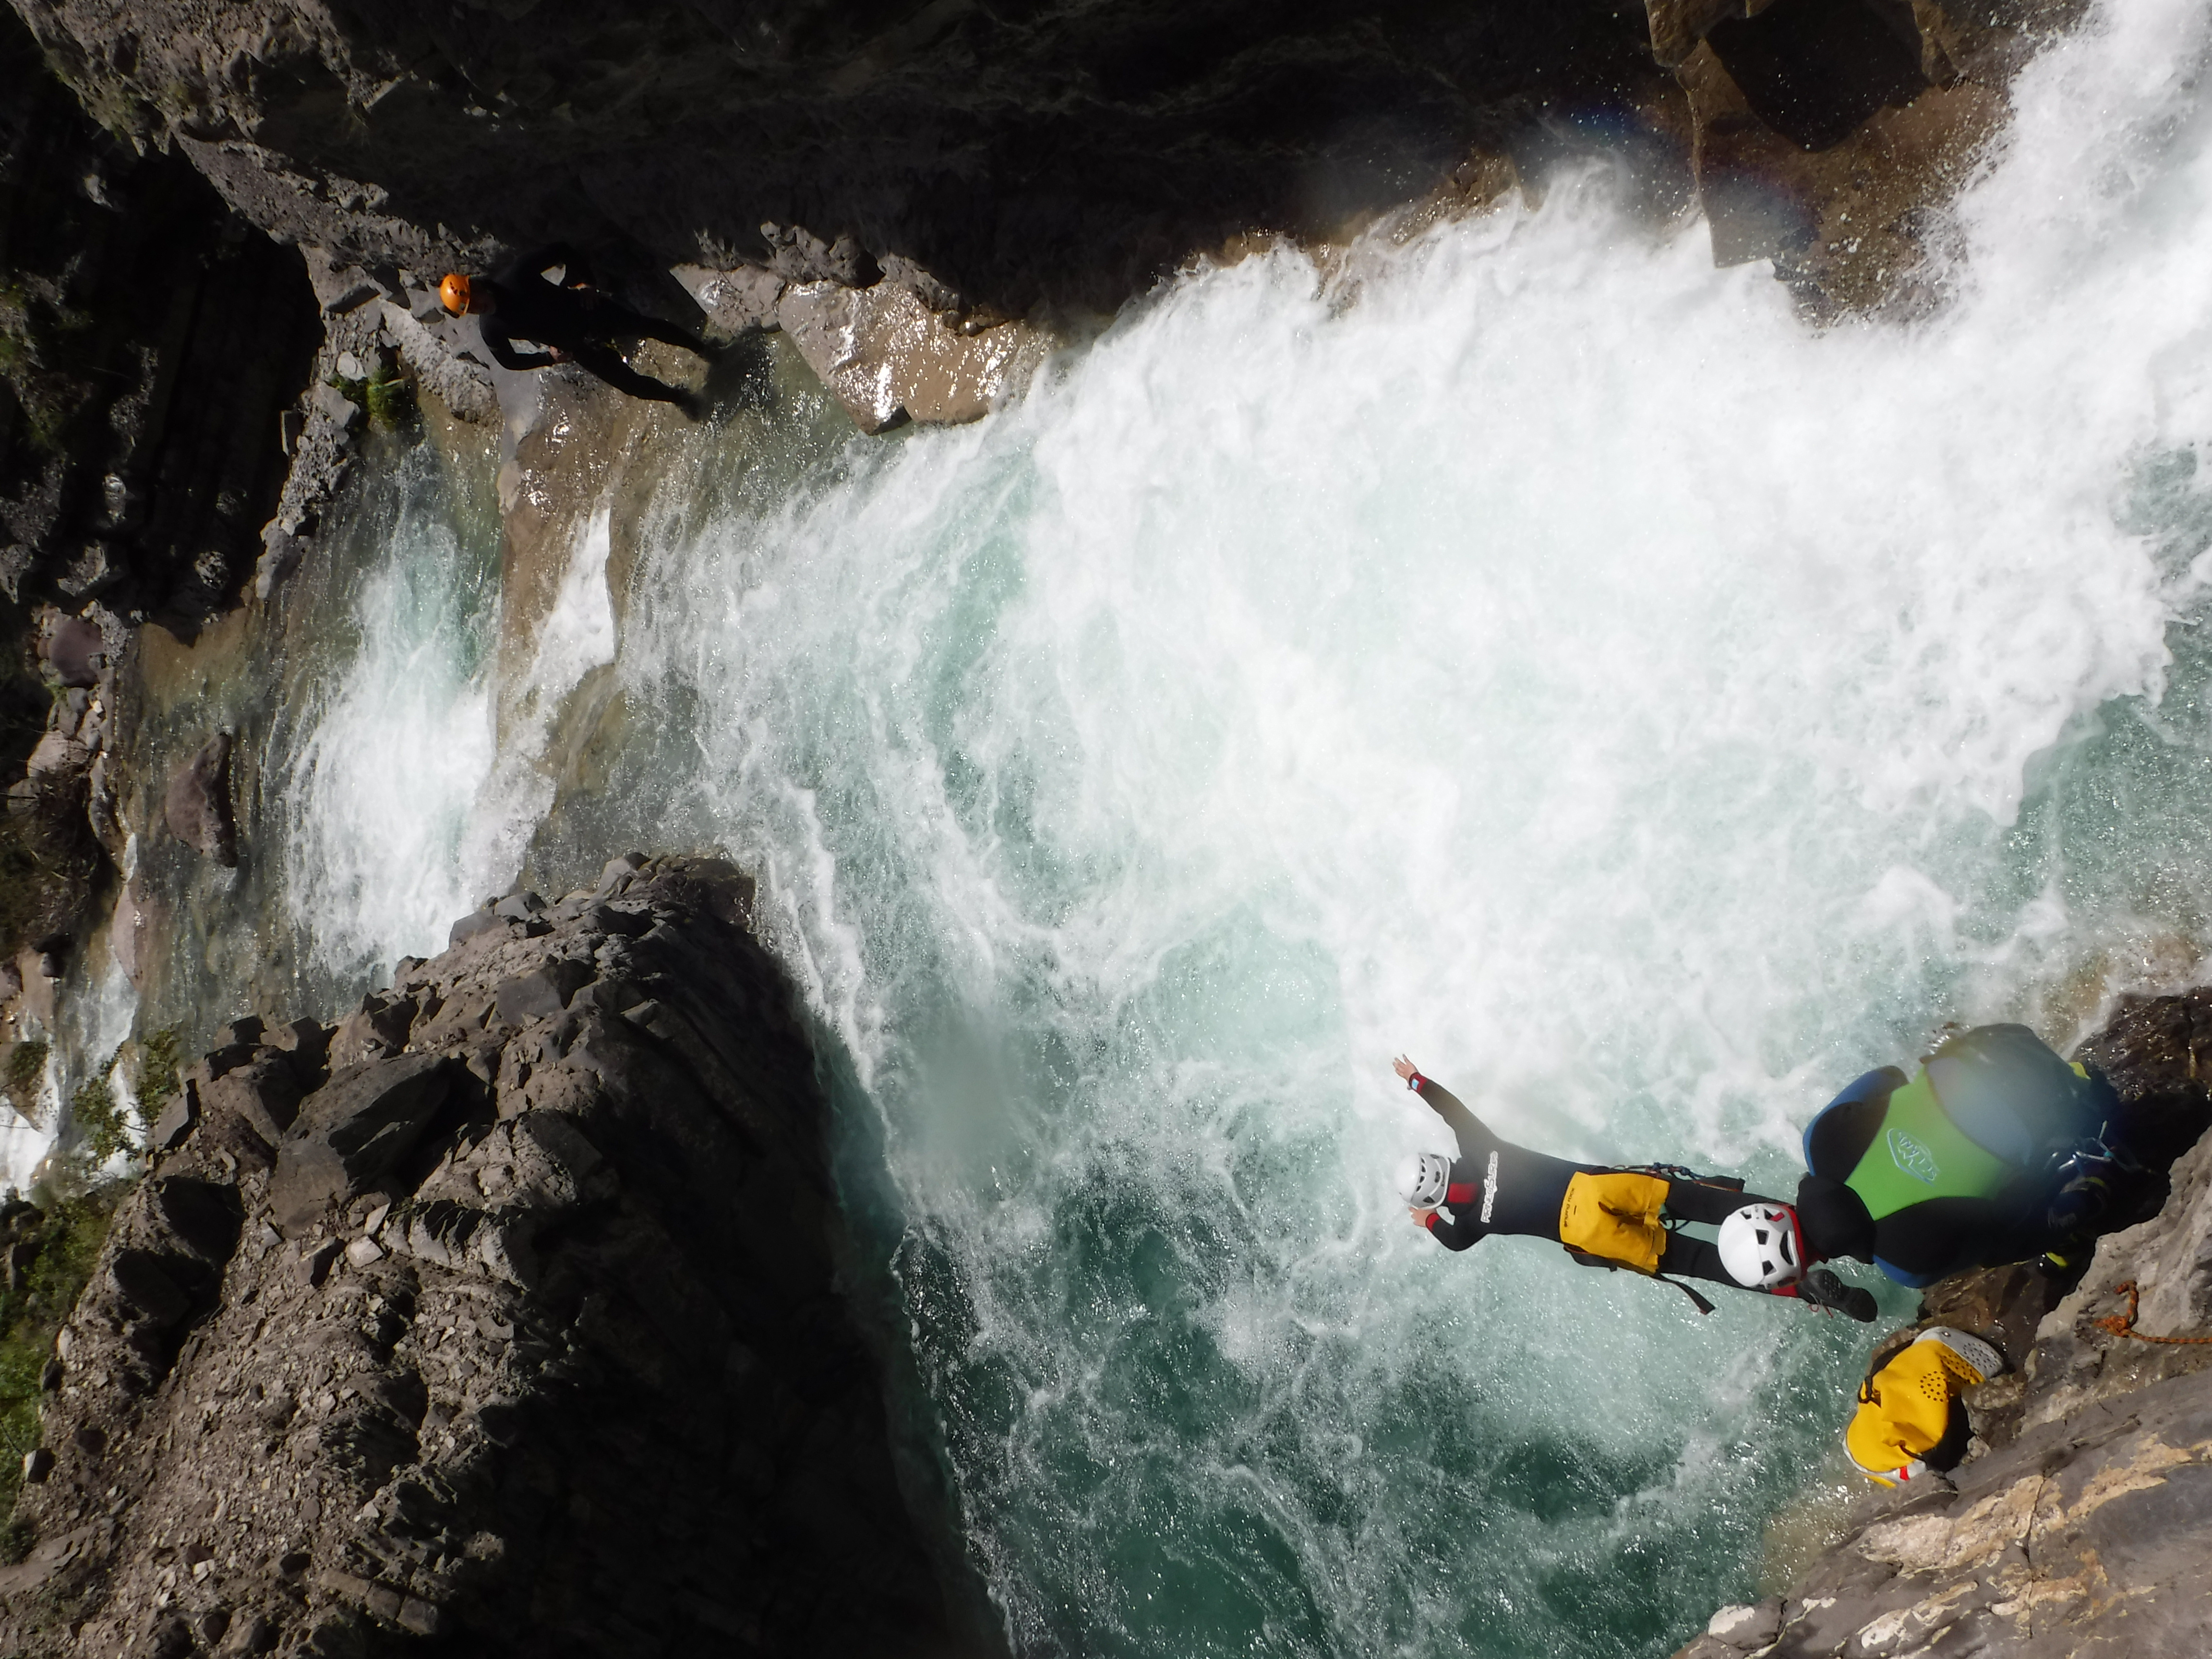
(1915, 1159)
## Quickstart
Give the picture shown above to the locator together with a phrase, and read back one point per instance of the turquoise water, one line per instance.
(1531, 649)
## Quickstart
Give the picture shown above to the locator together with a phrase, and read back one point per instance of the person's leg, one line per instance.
(1695, 1200)
(650, 328)
(1695, 1258)
(608, 365)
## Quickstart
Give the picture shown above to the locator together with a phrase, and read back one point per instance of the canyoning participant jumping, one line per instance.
(1996, 1151)
(571, 319)
(1611, 1217)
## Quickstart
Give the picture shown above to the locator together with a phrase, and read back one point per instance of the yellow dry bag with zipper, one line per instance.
(1616, 1217)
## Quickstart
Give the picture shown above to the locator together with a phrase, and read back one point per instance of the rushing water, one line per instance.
(1533, 649)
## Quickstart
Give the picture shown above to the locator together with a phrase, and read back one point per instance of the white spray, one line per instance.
(1553, 658)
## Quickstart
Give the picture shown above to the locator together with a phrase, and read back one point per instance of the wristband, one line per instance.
(1415, 1082)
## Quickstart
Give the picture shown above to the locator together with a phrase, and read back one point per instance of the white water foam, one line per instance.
(1544, 653)
(1554, 658)
(410, 801)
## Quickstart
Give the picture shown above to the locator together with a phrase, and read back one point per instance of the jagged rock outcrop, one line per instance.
(2081, 1521)
(498, 1319)
(1829, 136)
(148, 342)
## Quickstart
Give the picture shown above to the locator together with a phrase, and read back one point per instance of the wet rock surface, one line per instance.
(2079, 1522)
(499, 1318)
(196, 806)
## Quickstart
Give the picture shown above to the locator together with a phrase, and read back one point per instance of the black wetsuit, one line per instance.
(576, 319)
(1499, 1188)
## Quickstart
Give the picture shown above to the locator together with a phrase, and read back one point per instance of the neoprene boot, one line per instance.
(1823, 1289)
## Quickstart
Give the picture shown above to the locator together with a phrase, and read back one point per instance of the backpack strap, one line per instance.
(1583, 1259)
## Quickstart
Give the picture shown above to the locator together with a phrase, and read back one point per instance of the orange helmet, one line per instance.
(454, 292)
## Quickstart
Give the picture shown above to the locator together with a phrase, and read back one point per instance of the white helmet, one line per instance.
(1762, 1247)
(1424, 1179)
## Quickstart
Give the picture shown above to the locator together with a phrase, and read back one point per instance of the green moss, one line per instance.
(66, 1241)
(391, 400)
(156, 1075)
(104, 1121)
(26, 1070)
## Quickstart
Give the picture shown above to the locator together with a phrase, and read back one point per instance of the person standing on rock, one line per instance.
(1608, 1217)
(570, 318)
(1998, 1150)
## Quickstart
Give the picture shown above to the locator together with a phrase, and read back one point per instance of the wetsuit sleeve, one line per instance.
(501, 347)
(1454, 1233)
(1474, 1140)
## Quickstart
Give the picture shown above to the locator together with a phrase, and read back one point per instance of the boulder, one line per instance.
(735, 301)
(196, 807)
(354, 1129)
(145, 1290)
(202, 1216)
(378, 1026)
(57, 751)
(264, 1093)
(174, 1124)
(75, 650)
(542, 992)
(887, 357)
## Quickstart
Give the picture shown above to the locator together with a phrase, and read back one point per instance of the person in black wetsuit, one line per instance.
(572, 319)
(1495, 1187)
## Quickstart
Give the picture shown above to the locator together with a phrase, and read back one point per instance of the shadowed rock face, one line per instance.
(1019, 150)
(146, 343)
(2082, 1519)
(515, 1334)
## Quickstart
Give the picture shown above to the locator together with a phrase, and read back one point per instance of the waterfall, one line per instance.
(1528, 647)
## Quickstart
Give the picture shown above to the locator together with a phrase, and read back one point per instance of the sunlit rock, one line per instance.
(887, 357)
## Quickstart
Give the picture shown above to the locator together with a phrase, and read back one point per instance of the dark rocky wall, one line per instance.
(148, 341)
(1020, 150)
(499, 1319)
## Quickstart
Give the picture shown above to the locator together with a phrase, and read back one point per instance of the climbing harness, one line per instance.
(2124, 1324)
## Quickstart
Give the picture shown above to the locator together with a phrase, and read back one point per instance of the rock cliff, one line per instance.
(499, 1318)
(148, 341)
(2081, 1521)
(1027, 152)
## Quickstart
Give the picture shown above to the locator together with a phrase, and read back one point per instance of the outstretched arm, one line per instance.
(1466, 1128)
(1455, 1234)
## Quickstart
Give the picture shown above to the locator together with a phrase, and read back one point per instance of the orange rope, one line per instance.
(2124, 1324)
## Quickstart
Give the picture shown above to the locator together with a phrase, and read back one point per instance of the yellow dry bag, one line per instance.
(1616, 1217)
(1905, 1408)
